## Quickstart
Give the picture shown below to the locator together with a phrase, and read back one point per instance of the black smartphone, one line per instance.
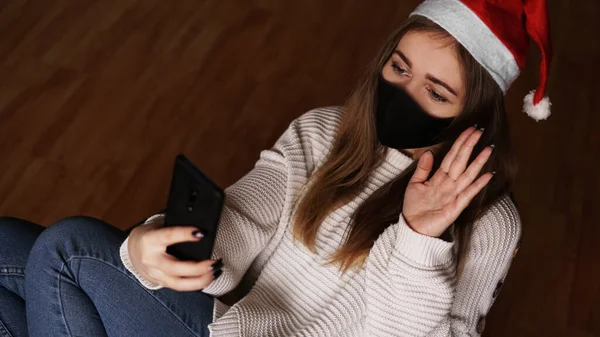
(194, 200)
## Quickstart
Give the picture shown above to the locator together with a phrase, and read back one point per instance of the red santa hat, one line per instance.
(496, 33)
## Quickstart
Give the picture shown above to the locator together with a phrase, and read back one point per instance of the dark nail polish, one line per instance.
(482, 129)
(475, 126)
(217, 273)
(217, 265)
(494, 172)
(493, 146)
(198, 234)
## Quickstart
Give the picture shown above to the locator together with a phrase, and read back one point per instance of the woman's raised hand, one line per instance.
(432, 205)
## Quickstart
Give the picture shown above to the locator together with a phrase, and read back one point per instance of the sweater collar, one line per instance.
(397, 158)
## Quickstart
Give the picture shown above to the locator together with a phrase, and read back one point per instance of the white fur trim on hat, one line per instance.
(539, 111)
(471, 32)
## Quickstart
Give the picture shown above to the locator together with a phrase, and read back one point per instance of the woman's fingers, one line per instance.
(464, 198)
(193, 283)
(174, 267)
(180, 283)
(167, 236)
(424, 167)
(461, 160)
(168, 271)
(473, 170)
(451, 155)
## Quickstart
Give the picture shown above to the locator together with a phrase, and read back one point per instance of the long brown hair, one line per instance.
(356, 153)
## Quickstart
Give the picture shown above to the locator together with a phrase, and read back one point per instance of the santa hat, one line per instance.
(496, 33)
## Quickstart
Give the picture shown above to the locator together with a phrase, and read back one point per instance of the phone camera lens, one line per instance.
(193, 196)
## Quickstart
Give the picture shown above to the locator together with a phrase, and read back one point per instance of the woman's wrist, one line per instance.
(419, 226)
(420, 248)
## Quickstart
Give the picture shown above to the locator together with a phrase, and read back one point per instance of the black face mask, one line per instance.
(402, 123)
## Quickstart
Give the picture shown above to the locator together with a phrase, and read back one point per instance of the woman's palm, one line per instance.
(431, 206)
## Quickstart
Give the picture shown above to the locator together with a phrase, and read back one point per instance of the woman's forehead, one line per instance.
(431, 54)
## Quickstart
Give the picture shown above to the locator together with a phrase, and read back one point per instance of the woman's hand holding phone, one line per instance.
(148, 253)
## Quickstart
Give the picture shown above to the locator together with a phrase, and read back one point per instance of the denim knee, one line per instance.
(64, 239)
(16, 239)
(69, 231)
(10, 231)
(15, 229)
(9, 225)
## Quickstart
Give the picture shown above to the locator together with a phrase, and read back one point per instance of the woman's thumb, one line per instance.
(424, 167)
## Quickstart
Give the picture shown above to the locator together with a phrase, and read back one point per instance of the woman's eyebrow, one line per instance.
(429, 76)
(403, 57)
(442, 83)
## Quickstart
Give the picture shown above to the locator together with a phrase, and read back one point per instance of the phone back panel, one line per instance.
(194, 200)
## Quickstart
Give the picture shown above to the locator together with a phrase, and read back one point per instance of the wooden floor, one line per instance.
(97, 97)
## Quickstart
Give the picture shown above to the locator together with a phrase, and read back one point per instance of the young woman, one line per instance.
(386, 217)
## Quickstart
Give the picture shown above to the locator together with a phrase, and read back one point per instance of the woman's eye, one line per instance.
(399, 70)
(436, 96)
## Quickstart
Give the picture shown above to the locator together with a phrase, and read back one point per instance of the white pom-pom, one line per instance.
(539, 111)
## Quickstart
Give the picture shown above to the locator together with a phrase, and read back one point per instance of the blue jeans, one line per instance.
(68, 280)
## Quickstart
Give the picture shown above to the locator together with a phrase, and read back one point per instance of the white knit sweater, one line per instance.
(407, 286)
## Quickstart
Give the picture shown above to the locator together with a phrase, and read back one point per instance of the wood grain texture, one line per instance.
(97, 98)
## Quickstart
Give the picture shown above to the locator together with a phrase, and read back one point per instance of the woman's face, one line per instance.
(428, 69)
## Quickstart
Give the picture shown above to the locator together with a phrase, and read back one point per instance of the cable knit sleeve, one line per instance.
(413, 276)
(494, 241)
(250, 217)
(251, 214)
